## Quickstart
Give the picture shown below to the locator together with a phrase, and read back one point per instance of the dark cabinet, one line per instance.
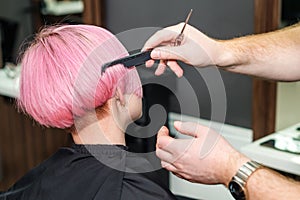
(23, 143)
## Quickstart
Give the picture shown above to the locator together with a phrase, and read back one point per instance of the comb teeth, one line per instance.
(107, 65)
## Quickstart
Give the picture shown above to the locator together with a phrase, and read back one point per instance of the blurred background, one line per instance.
(257, 106)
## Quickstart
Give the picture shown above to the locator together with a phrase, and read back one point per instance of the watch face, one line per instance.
(236, 190)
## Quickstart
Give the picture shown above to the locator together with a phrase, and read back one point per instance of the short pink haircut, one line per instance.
(61, 73)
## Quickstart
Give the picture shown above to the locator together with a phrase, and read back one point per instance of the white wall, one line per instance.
(288, 105)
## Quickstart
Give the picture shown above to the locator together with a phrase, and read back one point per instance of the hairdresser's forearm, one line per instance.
(274, 55)
(265, 184)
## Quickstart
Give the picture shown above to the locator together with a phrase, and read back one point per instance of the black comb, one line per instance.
(129, 61)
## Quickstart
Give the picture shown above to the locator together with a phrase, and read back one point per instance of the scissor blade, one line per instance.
(186, 21)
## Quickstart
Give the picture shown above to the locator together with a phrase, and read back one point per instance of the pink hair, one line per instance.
(61, 73)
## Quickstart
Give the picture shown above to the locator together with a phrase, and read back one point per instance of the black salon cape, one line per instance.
(76, 173)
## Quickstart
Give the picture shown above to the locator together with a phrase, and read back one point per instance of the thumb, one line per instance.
(163, 131)
(187, 128)
(163, 138)
(160, 38)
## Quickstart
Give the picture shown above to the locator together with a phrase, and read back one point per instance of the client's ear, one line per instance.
(120, 96)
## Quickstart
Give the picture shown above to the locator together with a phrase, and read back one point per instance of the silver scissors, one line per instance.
(179, 38)
(141, 57)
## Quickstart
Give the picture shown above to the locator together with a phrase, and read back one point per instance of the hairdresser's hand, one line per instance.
(206, 158)
(196, 49)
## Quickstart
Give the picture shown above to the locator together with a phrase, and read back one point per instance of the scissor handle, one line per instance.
(178, 40)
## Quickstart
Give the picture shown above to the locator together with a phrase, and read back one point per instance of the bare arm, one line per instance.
(274, 55)
(266, 184)
(209, 159)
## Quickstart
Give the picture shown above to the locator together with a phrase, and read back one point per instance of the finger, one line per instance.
(175, 148)
(164, 53)
(164, 155)
(178, 175)
(175, 68)
(160, 37)
(188, 128)
(168, 166)
(149, 63)
(163, 131)
(161, 68)
(164, 141)
(164, 163)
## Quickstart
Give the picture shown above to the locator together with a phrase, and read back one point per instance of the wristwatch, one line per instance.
(237, 185)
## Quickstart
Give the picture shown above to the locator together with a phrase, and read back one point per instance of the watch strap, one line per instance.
(237, 185)
(245, 171)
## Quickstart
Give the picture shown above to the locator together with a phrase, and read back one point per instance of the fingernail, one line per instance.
(163, 164)
(162, 128)
(177, 123)
(178, 74)
(157, 73)
(155, 54)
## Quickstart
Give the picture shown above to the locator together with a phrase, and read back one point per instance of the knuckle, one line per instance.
(158, 152)
(179, 166)
(161, 32)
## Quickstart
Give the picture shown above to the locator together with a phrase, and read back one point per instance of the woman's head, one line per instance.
(61, 74)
